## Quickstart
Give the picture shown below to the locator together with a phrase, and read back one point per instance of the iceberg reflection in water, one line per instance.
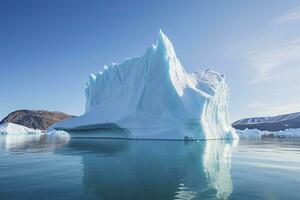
(145, 169)
(31, 142)
(125, 169)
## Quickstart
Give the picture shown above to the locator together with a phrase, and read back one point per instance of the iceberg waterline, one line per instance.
(153, 97)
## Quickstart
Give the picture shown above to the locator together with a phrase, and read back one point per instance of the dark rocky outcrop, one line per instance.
(277, 123)
(35, 119)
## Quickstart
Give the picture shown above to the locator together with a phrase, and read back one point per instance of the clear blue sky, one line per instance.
(49, 48)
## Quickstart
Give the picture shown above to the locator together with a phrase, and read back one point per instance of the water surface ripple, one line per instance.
(52, 167)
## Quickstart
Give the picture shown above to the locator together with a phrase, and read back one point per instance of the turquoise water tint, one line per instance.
(34, 167)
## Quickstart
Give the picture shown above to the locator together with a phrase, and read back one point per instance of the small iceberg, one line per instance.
(16, 129)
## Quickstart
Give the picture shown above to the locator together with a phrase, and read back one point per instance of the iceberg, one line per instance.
(16, 129)
(153, 97)
(257, 134)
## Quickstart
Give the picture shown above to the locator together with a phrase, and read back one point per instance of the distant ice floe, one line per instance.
(16, 129)
(254, 133)
(19, 130)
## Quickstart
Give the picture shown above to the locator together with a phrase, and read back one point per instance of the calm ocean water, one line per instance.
(33, 167)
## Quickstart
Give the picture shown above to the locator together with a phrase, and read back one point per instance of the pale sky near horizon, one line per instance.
(48, 48)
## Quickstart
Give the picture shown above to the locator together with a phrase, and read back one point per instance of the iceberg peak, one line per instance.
(164, 45)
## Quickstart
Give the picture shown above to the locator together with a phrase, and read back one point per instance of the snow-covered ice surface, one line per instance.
(153, 97)
(15, 129)
(254, 133)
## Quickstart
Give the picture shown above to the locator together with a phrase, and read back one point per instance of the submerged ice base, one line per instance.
(153, 97)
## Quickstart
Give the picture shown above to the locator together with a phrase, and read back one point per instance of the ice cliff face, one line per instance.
(153, 97)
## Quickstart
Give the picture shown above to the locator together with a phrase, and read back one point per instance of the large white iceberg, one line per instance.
(153, 97)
